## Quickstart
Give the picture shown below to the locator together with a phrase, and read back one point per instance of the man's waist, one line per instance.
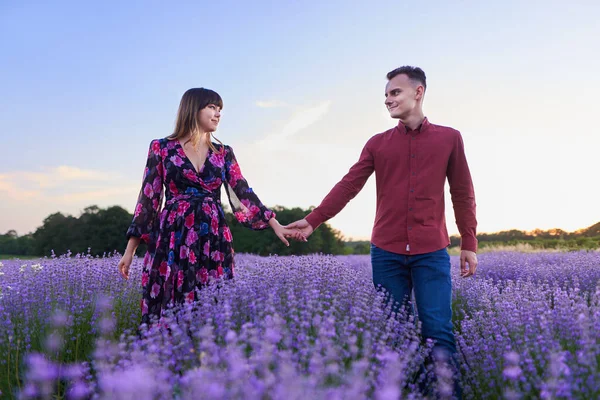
(399, 239)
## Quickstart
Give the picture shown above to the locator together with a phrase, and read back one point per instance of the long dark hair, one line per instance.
(192, 101)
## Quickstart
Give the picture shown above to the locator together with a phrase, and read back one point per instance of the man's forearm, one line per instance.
(466, 222)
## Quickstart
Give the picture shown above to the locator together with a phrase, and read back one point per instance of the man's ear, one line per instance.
(420, 91)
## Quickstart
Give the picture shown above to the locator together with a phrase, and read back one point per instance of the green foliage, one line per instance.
(11, 243)
(581, 243)
(584, 239)
(359, 247)
(103, 232)
(323, 240)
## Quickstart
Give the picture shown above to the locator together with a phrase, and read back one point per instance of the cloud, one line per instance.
(301, 119)
(270, 104)
(31, 185)
(32, 195)
(304, 118)
(12, 191)
(95, 195)
(55, 176)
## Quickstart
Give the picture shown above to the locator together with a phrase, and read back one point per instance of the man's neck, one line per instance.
(414, 121)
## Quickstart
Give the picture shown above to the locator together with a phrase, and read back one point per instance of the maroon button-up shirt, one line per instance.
(411, 167)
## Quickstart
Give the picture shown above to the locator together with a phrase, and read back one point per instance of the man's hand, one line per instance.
(282, 232)
(467, 257)
(301, 225)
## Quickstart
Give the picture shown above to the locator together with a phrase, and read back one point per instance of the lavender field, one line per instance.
(312, 327)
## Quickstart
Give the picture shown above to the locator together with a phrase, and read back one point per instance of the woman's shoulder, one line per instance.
(164, 142)
(158, 141)
(161, 146)
(222, 147)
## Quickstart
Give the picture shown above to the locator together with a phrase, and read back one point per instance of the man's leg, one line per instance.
(391, 272)
(433, 296)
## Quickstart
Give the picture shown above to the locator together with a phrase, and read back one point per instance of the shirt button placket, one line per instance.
(412, 185)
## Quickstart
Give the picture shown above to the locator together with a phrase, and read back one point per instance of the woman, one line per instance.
(189, 242)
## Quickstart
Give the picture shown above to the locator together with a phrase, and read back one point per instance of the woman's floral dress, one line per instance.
(189, 242)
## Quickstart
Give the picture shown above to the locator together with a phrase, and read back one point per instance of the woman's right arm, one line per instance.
(147, 207)
(132, 245)
(150, 197)
(125, 262)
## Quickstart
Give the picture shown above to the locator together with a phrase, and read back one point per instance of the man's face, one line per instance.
(402, 96)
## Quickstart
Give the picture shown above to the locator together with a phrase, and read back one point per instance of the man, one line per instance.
(409, 239)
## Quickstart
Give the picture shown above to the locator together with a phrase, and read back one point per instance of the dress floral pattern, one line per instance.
(189, 242)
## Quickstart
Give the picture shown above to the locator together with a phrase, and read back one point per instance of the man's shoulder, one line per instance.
(443, 129)
(378, 137)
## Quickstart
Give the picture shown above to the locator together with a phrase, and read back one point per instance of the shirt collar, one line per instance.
(404, 129)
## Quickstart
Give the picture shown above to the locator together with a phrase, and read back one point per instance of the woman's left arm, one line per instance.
(246, 206)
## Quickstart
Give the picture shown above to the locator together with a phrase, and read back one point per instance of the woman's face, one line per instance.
(208, 118)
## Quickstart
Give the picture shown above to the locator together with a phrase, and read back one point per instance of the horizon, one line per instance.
(346, 239)
(303, 88)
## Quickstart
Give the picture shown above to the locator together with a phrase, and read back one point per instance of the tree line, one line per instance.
(102, 231)
(588, 238)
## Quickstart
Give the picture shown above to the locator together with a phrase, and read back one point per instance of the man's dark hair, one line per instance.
(415, 74)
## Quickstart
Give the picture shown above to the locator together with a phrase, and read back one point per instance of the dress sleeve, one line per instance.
(150, 197)
(246, 206)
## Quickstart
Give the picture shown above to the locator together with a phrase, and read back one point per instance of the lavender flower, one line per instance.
(297, 327)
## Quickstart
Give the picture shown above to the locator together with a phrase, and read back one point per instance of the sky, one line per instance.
(87, 85)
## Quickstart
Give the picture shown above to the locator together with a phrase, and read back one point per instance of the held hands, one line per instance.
(467, 257)
(302, 229)
(284, 232)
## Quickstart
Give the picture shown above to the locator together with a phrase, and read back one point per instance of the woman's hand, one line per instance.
(301, 226)
(124, 264)
(283, 233)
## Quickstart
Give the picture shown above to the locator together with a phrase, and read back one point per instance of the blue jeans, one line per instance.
(429, 275)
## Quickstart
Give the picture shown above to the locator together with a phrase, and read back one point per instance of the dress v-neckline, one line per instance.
(190, 160)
